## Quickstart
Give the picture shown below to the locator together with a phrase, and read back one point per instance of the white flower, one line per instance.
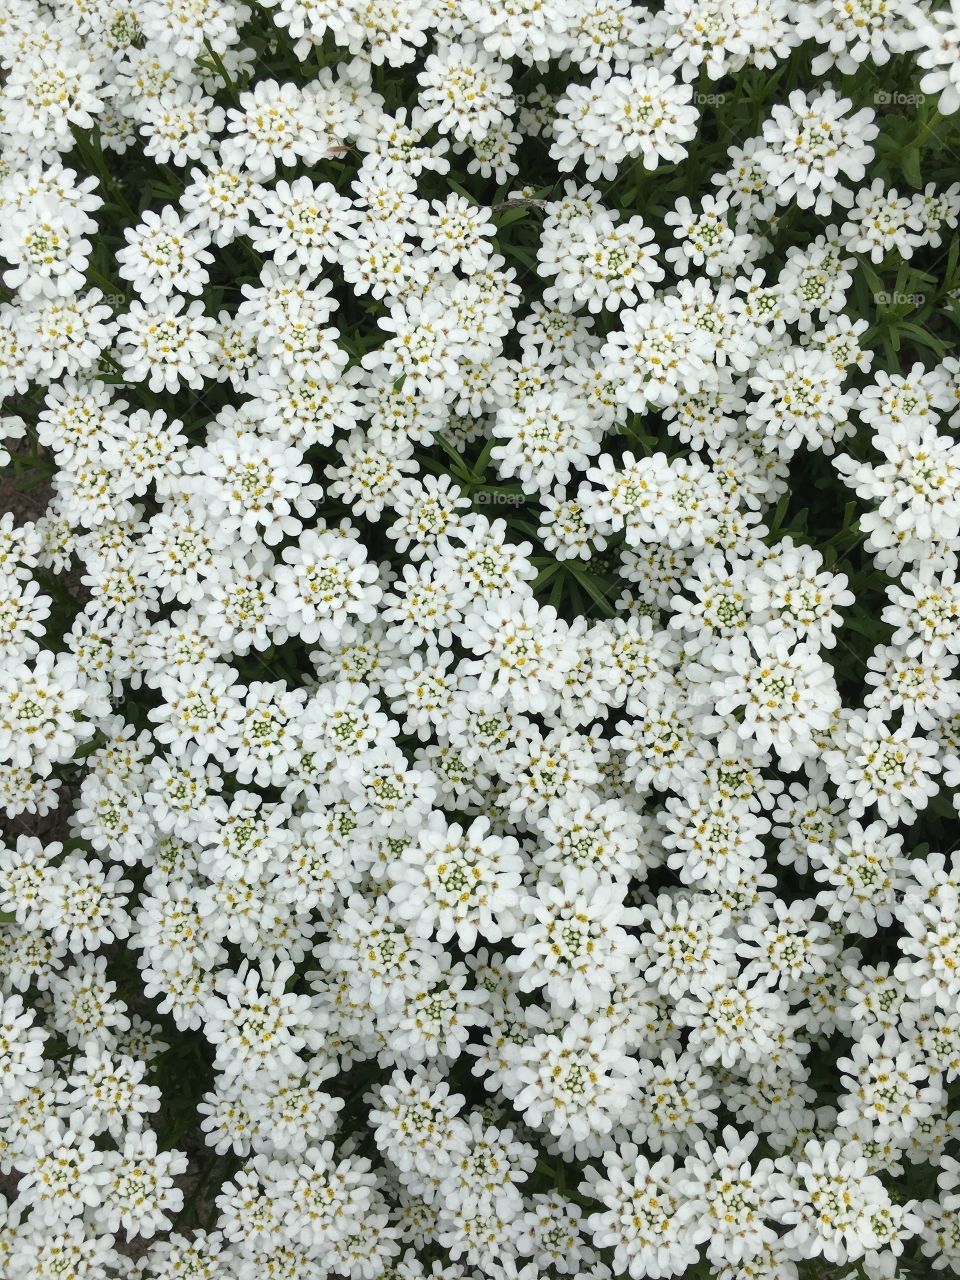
(939, 37)
(792, 592)
(70, 1247)
(640, 1220)
(21, 1046)
(727, 1199)
(455, 233)
(811, 144)
(706, 238)
(322, 584)
(599, 263)
(787, 692)
(800, 401)
(882, 220)
(249, 487)
(888, 1084)
(301, 221)
(832, 1206)
(578, 1084)
(731, 1021)
(48, 254)
(855, 33)
(257, 1026)
(890, 768)
(165, 254)
(41, 721)
(657, 351)
(138, 1191)
(52, 89)
(865, 870)
(925, 609)
(202, 707)
(644, 114)
(439, 1016)
(522, 651)
(464, 91)
(685, 940)
(83, 905)
(455, 883)
(572, 939)
(674, 1101)
(62, 1174)
(547, 434)
(508, 850)
(412, 1120)
(165, 344)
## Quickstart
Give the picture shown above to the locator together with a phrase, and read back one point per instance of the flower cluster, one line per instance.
(479, 639)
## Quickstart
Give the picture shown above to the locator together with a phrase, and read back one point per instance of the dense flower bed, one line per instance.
(479, 707)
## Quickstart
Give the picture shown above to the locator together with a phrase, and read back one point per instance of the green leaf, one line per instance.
(600, 598)
(922, 337)
(545, 575)
(778, 516)
(455, 457)
(871, 277)
(522, 255)
(507, 216)
(910, 166)
(461, 191)
(479, 469)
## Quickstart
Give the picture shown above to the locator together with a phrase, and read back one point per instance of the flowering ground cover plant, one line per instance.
(479, 639)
